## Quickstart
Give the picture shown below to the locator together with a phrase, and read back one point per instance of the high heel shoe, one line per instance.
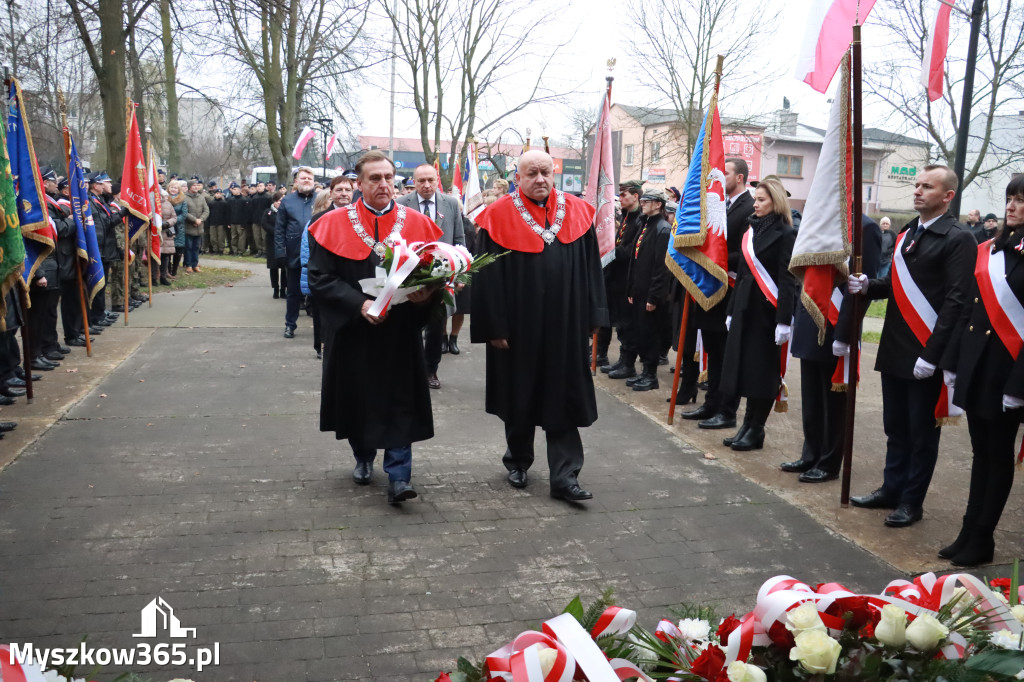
(753, 439)
(684, 396)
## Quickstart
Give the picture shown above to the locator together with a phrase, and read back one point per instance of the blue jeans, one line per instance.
(192, 245)
(397, 461)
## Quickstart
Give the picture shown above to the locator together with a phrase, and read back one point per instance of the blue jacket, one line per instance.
(292, 217)
(180, 210)
(304, 259)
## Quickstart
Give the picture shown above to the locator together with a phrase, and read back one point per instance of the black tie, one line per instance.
(728, 203)
(918, 231)
(426, 208)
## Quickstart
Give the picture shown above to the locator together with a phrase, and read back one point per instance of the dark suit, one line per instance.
(985, 371)
(941, 263)
(615, 283)
(447, 213)
(823, 410)
(712, 322)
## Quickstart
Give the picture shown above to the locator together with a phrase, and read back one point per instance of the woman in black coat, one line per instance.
(757, 325)
(988, 382)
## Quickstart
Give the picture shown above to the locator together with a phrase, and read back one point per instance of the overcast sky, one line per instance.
(602, 34)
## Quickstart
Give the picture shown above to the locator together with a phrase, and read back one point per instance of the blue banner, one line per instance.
(88, 247)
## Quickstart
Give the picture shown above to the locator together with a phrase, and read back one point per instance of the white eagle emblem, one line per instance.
(716, 214)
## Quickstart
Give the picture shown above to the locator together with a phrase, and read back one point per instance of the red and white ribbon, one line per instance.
(841, 375)
(403, 263)
(764, 280)
(1001, 304)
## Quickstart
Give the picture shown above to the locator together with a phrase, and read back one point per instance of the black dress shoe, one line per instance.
(20, 373)
(54, 356)
(4, 400)
(752, 439)
(572, 493)
(289, 333)
(95, 331)
(817, 475)
(43, 365)
(433, 381)
(400, 491)
(517, 478)
(904, 515)
(797, 467)
(8, 426)
(877, 499)
(16, 382)
(702, 412)
(79, 342)
(363, 473)
(63, 350)
(727, 442)
(719, 421)
(11, 391)
(104, 322)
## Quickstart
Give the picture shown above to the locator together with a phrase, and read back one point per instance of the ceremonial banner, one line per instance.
(827, 38)
(822, 250)
(457, 179)
(12, 248)
(81, 210)
(305, 136)
(37, 231)
(134, 196)
(473, 202)
(600, 191)
(156, 220)
(698, 253)
(934, 63)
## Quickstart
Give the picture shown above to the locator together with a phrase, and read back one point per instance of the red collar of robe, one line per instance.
(508, 229)
(334, 230)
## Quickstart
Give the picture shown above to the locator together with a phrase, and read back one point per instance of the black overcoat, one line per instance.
(546, 305)
(374, 386)
(941, 262)
(752, 360)
(736, 224)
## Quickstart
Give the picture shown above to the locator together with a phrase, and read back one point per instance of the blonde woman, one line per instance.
(759, 319)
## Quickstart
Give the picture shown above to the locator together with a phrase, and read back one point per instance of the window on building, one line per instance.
(868, 170)
(790, 166)
(655, 152)
(629, 155)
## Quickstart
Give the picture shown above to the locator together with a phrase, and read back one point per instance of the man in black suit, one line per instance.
(719, 410)
(936, 256)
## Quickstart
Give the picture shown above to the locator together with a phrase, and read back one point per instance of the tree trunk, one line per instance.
(112, 81)
(170, 89)
(138, 80)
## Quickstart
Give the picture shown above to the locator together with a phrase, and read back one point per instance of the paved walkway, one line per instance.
(194, 471)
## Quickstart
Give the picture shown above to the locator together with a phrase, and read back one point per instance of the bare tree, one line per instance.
(463, 63)
(677, 43)
(997, 85)
(293, 53)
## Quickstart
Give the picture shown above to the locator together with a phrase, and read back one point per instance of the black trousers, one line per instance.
(179, 253)
(432, 337)
(716, 399)
(908, 416)
(10, 354)
(824, 416)
(315, 309)
(647, 329)
(758, 410)
(42, 318)
(565, 452)
(992, 441)
(71, 309)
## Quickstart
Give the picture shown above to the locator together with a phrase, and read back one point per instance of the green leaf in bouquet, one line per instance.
(1003, 664)
(470, 672)
(575, 609)
(596, 608)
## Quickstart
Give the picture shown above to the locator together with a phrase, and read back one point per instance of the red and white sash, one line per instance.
(770, 290)
(764, 280)
(700, 356)
(921, 318)
(1002, 306)
(841, 375)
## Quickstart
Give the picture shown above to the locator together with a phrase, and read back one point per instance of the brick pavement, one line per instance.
(208, 484)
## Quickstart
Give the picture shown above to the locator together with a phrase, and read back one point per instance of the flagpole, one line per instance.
(593, 340)
(856, 302)
(679, 357)
(78, 260)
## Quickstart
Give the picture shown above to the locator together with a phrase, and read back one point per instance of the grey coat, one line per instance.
(448, 214)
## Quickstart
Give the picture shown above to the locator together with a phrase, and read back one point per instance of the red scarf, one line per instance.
(334, 230)
(508, 229)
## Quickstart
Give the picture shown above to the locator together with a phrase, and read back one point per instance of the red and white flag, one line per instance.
(933, 66)
(473, 201)
(822, 248)
(305, 136)
(155, 210)
(331, 143)
(600, 191)
(828, 36)
(457, 178)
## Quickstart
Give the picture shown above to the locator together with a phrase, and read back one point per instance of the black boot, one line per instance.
(626, 371)
(979, 549)
(608, 369)
(648, 381)
(727, 442)
(752, 439)
(602, 360)
(950, 551)
(277, 293)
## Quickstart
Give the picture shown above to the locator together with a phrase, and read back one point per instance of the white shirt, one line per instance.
(432, 209)
(732, 200)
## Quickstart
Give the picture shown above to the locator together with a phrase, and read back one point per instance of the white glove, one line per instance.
(1011, 403)
(922, 369)
(840, 349)
(857, 284)
(728, 322)
(948, 378)
(783, 333)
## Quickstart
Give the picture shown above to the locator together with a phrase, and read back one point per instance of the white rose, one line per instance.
(1006, 640)
(892, 628)
(804, 618)
(925, 633)
(1002, 597)
(547, 660)
(960, 598)
(1018, 612)
(816, 652)
(694, 629)
(739, 671)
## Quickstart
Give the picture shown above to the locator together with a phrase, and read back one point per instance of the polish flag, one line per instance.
(934, 62)
(305, 136)
(332, 142)
(828, 36)
(457, 178)
(600, 191)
